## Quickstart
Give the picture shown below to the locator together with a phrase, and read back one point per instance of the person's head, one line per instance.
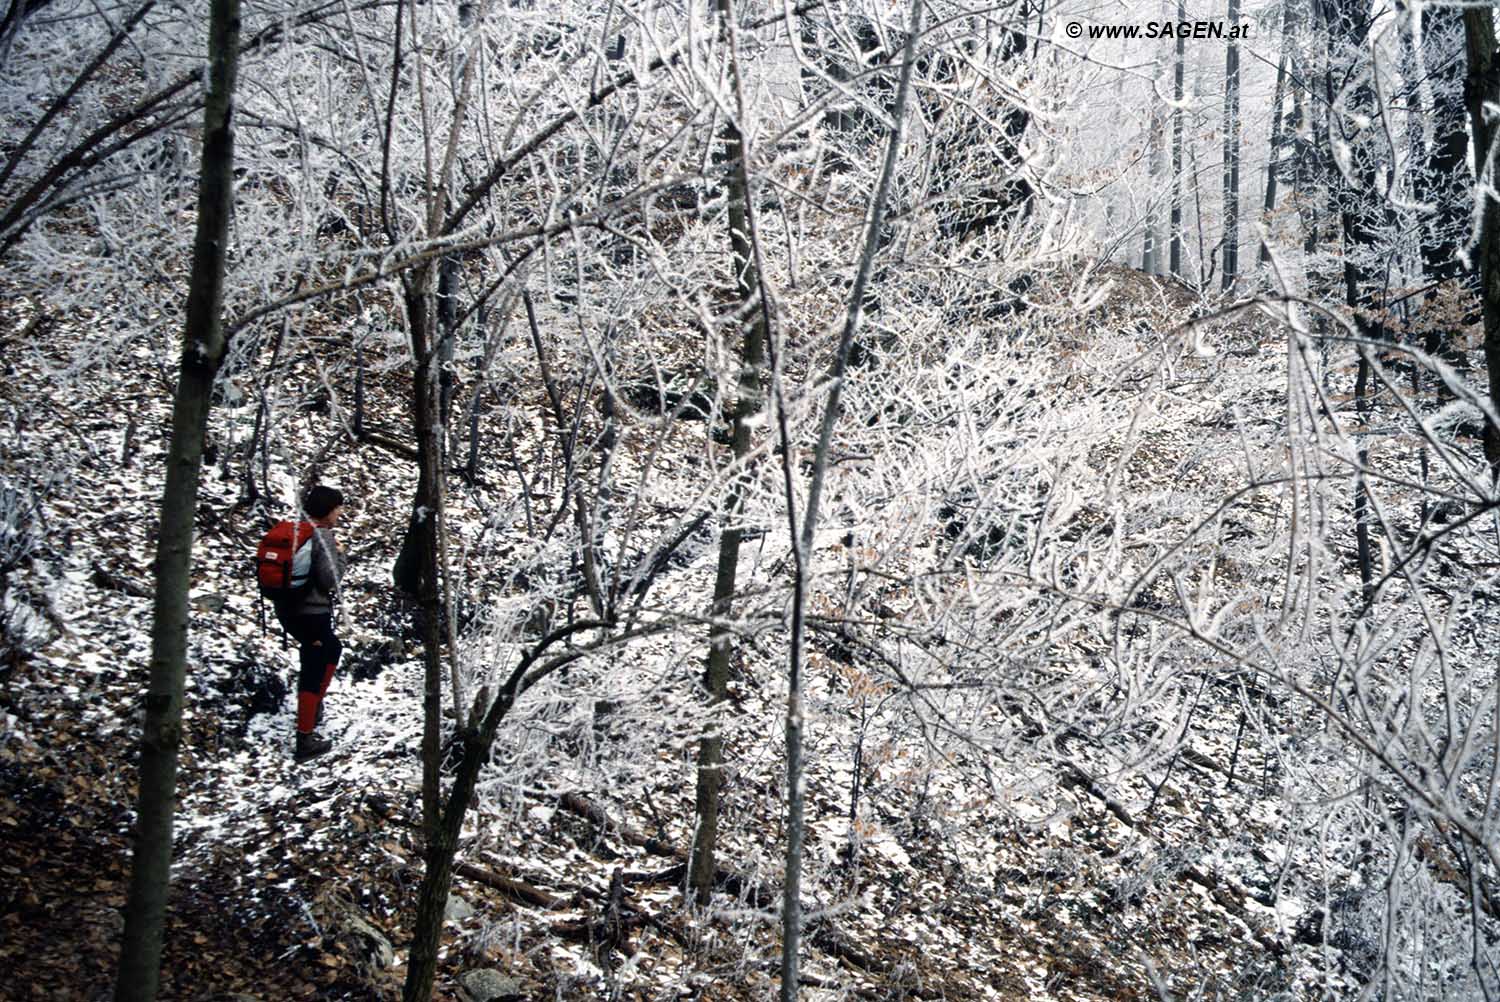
(321, 502)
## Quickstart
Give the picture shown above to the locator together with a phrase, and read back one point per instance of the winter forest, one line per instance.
(840, 500)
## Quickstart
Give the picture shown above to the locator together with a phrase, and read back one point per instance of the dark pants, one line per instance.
(318, 651)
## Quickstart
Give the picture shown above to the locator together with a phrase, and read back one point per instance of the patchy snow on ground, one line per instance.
(1012, 791)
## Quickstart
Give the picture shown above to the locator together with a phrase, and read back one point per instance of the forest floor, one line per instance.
(570, 888)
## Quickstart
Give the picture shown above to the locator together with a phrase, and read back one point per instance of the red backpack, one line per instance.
(283, 562)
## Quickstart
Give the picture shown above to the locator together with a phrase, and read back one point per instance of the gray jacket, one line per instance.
(327, 571)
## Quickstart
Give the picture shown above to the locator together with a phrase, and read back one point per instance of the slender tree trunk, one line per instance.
(1482, 89)
(424, 533)
(1151, 239)
(437, 881)
(1363, 546)
(476, 412)
(802, 541)
(747, 404)
(1205, 262)
(1299, 127)
(359, 389)
(260, 436)
(447, 309)
(203, 352)
(1177, 71)
(1441, 183)
(1269, 204)
(1345, 30)
(442, 845)
(431, 316)
(1232, 152)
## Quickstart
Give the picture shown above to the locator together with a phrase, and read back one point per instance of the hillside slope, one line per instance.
(937, 870)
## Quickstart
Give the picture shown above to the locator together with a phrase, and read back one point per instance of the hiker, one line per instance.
(308, 618)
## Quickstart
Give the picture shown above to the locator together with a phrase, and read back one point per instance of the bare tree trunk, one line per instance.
(260, 435)
(423, 534)
(1151, 239)
(1232, 152)
(1175, 264)
(747, 404)
(359, 389)
(1205, 261)
(203, 352)
(1482, 89)
(1446, 172)
(1345, 30)
(1364, 548)
(476, 412)
(447, 310)
(1308, 137)
(442, 842)
(802, 540)
(1269, 203)
(431, 315)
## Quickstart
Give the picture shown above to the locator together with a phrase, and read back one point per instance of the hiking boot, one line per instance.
(311, 745)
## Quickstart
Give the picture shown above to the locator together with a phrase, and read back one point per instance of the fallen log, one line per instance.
(516, 890)
(381, 440)
(823, 936)
(107, 579)
(576, 803)
(1231, 898)
(1079, 777)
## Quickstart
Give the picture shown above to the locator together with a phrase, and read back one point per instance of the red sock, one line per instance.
(307, 711)
(327, 677)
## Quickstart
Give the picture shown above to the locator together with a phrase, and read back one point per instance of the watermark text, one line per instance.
(1161, 29)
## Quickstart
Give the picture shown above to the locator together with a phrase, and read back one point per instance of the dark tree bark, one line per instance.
(442, 844)
(1447, 157)
(203, 352)
(1151, 234)
(447, 310)
(1232, 152)
(476, 413)
(1274, 154)
(15, 15)
(1175, 252)
(422, 536)
(747, 404)
(1444, 180)
(1481, 89)
(1346, 25)
(359, 389)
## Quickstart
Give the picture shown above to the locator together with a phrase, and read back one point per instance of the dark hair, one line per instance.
(320, 500)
